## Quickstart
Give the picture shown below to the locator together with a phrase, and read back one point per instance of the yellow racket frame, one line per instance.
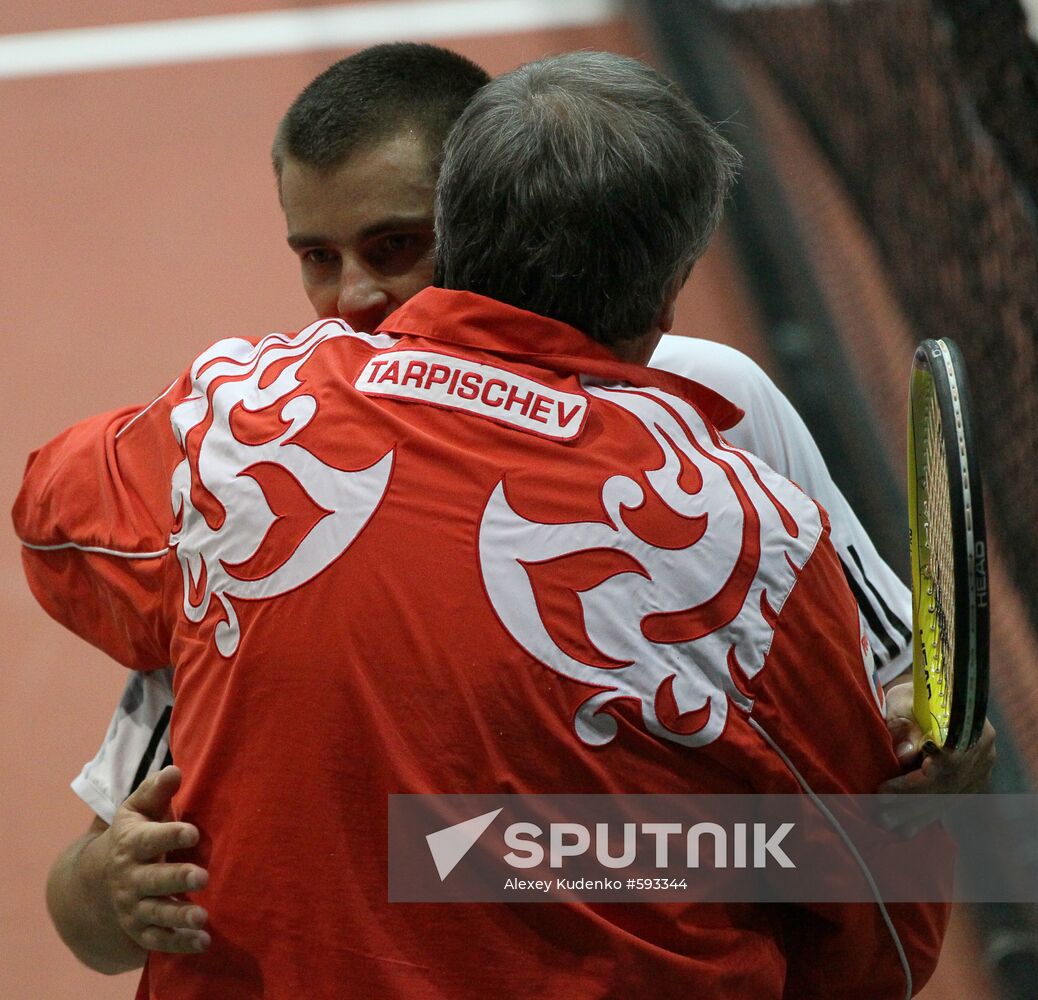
(931, 683)
(949, 587)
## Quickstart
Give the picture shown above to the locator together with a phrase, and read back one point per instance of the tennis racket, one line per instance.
(949, 553)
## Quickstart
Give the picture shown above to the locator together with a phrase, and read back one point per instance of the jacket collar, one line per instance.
(476, 322)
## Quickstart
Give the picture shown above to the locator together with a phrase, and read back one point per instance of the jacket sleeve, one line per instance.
(94, 516)
(817, 710)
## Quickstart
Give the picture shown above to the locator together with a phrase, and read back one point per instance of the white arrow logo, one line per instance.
(449, 845)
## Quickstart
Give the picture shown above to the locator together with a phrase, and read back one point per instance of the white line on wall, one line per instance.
(233, 36)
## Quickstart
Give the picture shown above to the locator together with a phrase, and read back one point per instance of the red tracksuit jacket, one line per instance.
(470, 553)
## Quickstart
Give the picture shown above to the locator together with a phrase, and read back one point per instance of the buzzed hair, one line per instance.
(374, 95)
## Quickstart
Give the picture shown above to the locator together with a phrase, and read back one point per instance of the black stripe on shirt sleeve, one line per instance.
(889, 644)
(894, 620)
(153, 746)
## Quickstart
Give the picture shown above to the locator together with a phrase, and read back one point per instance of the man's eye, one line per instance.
(319, 257)
(397, 243)
(396, 253)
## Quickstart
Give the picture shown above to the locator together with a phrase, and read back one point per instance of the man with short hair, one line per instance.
(363, 595)
(356, 159)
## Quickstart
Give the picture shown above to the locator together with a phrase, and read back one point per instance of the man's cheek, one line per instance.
(418, 279)
(325, 303)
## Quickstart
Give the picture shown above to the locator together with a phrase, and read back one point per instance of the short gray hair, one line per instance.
(580, 187)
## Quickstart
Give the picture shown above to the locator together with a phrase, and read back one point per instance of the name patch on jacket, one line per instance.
(484, 390)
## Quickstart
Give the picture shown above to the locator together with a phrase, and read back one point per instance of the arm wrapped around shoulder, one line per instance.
(94, 517)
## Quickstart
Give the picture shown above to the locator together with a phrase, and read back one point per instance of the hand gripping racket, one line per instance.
(949, 554)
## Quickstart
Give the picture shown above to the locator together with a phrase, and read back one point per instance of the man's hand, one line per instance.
(938, 773)
(139, 884)
(110, 894)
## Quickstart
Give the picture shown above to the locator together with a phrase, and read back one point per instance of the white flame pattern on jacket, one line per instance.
(676, 582)
(230, 374)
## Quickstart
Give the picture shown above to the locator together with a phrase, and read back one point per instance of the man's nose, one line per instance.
(363, 302)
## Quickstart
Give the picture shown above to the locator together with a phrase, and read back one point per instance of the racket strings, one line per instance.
(939, 567)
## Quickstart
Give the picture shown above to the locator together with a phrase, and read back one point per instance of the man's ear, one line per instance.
(666, 321)
(666, 318)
